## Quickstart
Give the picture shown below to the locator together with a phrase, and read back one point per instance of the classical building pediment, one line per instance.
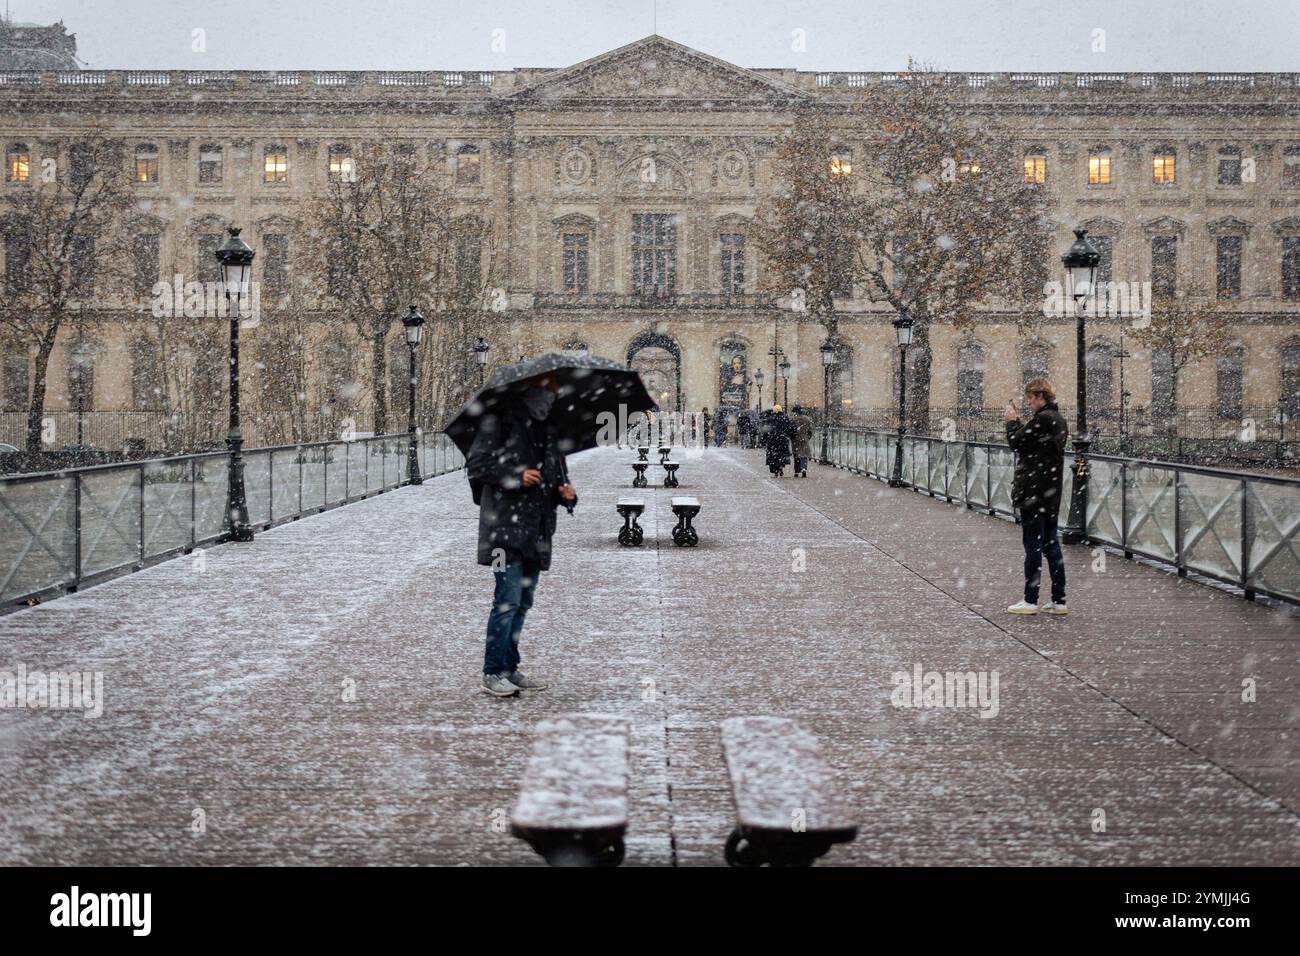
(655, 69)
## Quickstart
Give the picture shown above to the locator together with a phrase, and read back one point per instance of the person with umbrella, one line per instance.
(515, 434)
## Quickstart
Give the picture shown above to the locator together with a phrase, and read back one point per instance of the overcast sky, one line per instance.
(868, 35)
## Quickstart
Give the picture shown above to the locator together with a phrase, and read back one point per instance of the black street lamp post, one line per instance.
(235, 259)
(828, 360)
(785, 379)
(903, 330)
(480, 352)
(1080, 262)
(413, 325)
(758, 380)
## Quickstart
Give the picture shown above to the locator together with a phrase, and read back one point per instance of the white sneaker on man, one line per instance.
(1023, 607)
(499, 685)
(1051, 607)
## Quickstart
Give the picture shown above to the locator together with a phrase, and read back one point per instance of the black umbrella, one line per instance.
(587, 387)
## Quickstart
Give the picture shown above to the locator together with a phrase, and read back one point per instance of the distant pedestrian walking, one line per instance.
(774, 434)
(1039, 445)
(800, 440)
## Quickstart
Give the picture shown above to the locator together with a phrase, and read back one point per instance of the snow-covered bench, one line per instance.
(642, 452)
(638, 480)
(629, 509)
(670, 473)
(664, 452)
(685, 509)
(572, 808)
(788, 808)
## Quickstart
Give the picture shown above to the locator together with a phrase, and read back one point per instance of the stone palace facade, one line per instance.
(1182, 177)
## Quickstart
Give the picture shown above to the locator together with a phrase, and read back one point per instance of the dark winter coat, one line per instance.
(801, 437)
(517, 520)
(1039, 445)
(774, 432)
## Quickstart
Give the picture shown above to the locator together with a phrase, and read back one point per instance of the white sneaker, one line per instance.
(498, 685)
(1051, 607)
(1023, 607)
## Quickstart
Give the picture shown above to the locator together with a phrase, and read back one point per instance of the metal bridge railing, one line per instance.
(62, 530)
(1240, 529)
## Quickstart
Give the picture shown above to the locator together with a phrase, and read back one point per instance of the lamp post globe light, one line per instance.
(758, 380)
(903, 332)
(480, 352)
(1080, 262)
(413, 326)
(785, 378)
(828, 361)
(235, 259)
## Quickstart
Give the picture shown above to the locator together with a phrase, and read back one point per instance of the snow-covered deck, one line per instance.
(313, 697)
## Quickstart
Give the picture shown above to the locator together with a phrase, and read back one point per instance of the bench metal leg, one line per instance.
(745, 850)
(630, 533)
(580, 850)
(683, 533)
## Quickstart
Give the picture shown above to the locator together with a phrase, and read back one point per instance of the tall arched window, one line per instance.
(1162, 385)
(1228, 383)
(970, 379)
(1289, 380)
(1101, 391)
(81, 378)
(146, 391)
(467, 166)
(1034, 362)
(842, 379)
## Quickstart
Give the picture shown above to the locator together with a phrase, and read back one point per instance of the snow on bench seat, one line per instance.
(778, 779)
(577, 777)
(685, 502)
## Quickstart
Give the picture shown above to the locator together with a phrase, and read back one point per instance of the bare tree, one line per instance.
(64, 239)
(947, 222)
(1187, 327)
(378, 241)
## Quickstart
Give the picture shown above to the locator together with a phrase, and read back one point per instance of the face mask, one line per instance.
(538, 401)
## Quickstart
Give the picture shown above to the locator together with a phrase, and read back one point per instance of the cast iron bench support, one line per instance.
(685, 509)
(629, 509)
(670, 473)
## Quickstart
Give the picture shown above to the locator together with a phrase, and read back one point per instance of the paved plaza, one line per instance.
(313, 697)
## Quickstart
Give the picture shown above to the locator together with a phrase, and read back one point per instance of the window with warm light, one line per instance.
(1164, 168)
(841, 163)
(146, 163)
(1035, 168)
(969, 167)
(1099, 168)
(275, 165)
(18, 163)
(467, 166)
(342, 167)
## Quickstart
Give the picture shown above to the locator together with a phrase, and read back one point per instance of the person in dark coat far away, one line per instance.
(1039, 445)
(704, 427)
(800, 439)
(518, 475)
(775, 432)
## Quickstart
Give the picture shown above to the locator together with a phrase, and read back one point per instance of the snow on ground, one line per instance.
(313, 697)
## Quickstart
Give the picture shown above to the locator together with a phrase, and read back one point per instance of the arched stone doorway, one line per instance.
(658, 360)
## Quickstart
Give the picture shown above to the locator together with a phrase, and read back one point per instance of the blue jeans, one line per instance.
(1039, 531)
(510, 603)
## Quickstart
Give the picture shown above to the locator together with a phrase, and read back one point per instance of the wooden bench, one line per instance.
(664, 452)
(629, 509)
(639, 479)
(788, 808)
(670, 473)
(642, 452)
(685, 509)
(572, 807)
